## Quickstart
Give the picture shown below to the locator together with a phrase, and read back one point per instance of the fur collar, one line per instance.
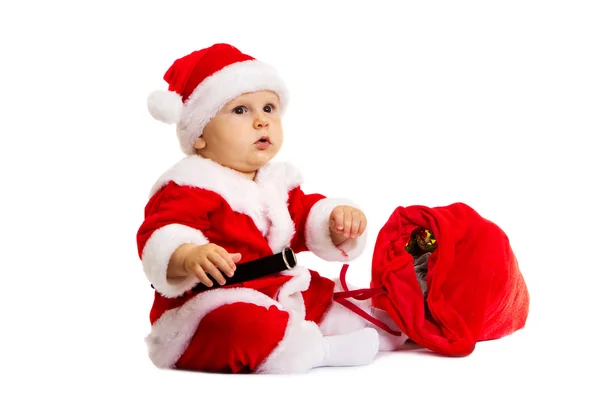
(264, 199)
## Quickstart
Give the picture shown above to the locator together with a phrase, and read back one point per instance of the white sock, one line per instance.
(355, 348)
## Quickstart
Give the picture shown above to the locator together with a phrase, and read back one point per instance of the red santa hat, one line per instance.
(202, 82)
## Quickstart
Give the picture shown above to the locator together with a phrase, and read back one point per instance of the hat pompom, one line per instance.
(165, 106)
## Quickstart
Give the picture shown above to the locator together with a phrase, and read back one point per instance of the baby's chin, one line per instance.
(262, 156)
(257, 163)
(250, 164)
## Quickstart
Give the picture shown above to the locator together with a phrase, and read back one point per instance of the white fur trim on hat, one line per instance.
(165, 106)
(219, 89)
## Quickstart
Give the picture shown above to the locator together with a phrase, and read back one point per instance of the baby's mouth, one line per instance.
(264, 139)
(263, 143)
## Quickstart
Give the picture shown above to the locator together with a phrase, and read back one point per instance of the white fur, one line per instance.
(301, 349)
(172, 332)
(318, 239)
(339, 319)
(289, 293)
(157, 253)
(219, 89)
(275, 181)
(165, 106)
(262, 200)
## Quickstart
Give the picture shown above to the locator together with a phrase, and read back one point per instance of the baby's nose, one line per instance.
(260, 123)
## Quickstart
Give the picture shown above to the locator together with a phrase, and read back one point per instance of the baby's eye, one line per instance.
(268, 108)
(239, 109)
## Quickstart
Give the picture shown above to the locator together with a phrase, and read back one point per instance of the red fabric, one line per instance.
(318, 298)
(268, 285)
(208, 212)
(191, 70)
(299, 205)
(234, 338)
(476, 290)
(237, 337)
(360, 294)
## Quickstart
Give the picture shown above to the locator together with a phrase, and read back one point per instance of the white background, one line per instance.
(495, 104)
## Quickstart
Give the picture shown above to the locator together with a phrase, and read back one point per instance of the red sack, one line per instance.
(475, 290)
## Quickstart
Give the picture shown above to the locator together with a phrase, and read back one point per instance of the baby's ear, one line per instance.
(200, 143)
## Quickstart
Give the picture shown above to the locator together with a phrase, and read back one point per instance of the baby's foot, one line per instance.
(355, 348)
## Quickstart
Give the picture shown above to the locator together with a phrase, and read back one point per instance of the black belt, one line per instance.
(261, 267)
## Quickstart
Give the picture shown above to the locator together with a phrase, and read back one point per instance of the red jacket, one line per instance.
(199, 201)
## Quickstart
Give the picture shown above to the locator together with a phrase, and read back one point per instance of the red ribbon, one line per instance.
(361, 294)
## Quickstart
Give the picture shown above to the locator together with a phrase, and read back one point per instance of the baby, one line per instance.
(227, 203)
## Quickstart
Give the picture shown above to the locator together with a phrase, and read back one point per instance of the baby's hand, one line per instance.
(210, 258)
(346, 222)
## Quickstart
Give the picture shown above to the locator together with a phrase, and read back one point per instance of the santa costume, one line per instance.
(285, 322)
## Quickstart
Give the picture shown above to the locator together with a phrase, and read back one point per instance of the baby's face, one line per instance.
(245, 134)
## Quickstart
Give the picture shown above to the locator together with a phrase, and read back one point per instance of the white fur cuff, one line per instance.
(318, 239)
(157, 253)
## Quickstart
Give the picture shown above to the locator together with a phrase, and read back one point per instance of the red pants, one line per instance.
(237, 329)
(236, 338)
(244, 330)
